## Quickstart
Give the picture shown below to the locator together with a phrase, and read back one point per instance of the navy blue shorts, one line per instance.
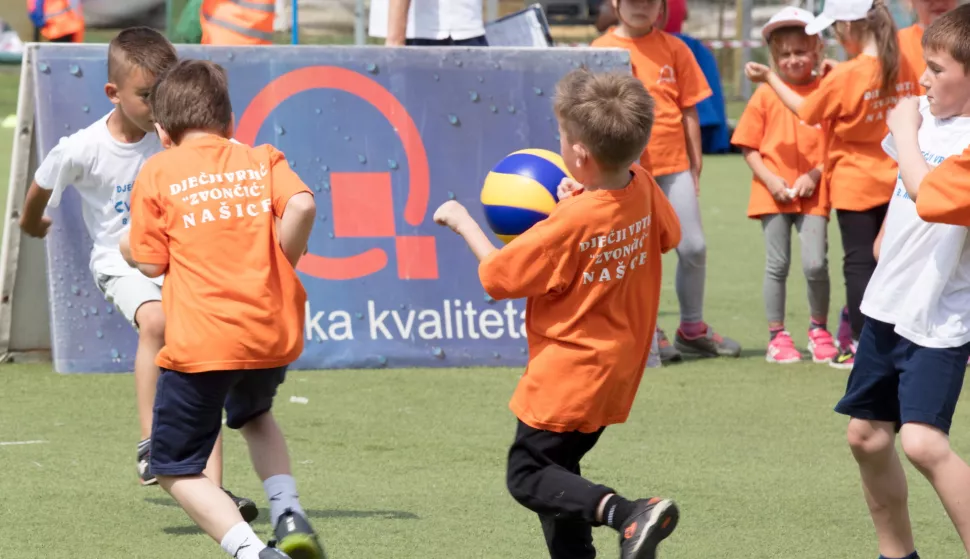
(187, 416)
(896, 380)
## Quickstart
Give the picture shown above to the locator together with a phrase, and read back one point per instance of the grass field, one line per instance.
(410, 464)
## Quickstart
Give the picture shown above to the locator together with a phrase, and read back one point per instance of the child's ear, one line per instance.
(163, 136)
(111, 90)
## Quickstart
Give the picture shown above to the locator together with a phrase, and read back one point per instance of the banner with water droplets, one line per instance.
(382, 136)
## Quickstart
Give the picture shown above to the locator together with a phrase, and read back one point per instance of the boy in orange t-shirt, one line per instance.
(591, 273)
(227, 223)
(669, 71)
(785, 155)
(911, 38)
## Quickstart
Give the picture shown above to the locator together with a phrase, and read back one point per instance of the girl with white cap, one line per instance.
(850, 104)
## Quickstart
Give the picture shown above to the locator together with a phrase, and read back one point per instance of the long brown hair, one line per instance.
(879, 22)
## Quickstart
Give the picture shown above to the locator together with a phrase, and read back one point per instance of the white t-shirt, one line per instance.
(433, 19)
(103, 171)
(922, 281)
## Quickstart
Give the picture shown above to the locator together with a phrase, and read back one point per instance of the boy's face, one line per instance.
(131, 97)
(928, 10)
(796, 55)
(947, 85)
(639, 15)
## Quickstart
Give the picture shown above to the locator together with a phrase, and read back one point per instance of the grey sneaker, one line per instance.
(668, 353)
(652, 521)
(708, 345)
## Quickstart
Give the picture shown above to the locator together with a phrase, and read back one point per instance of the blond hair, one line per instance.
(609, 113)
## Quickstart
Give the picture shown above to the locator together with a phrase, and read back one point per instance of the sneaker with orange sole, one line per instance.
(651, 522)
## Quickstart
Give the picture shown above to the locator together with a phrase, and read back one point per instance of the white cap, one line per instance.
(788, 17)
(839, 10)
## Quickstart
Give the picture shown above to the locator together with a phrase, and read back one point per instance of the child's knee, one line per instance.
(924, 445)
(868, 438)
(151, 321)
(815, 270)
(777, 268)
(693, 251)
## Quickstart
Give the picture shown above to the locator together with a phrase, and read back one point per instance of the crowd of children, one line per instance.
(851, 136)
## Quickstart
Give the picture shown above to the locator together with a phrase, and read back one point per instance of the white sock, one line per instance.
(242, 543)
(281, 492)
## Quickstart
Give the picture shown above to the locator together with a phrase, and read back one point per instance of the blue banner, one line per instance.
(382, 136)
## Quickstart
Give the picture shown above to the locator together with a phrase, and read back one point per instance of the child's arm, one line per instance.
(692, 129)
(454, 216)
(904, 121)
(146, 242)
(777, 186)
(806, 184)
(33, 221)
(535, 263)
(876, 246)
(397, 22)
(759, 73)
(296, 225)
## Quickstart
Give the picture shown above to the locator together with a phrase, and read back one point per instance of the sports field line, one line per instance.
(19, 443)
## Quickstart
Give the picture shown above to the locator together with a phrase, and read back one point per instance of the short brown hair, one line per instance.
(142, 48)
(192, 95)
(610, 113)
(951, 33)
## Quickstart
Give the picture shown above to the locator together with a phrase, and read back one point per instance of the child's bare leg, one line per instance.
(205, 502)
(213, 468)
(271, 460)
(928, 448)
(151, 337)
(884, 484)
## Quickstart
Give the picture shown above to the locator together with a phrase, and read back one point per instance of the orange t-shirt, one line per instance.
(789, 148)
(944, 193)
(207, 209)
(911, 49)
(591, 272)
(668, 70)
(858, 173)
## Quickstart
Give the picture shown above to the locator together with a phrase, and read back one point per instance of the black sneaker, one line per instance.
(271, 553)
(247, 508)
(145, 476)
(296, 538)
(651, 522)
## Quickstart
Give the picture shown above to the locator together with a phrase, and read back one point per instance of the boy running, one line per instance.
(229, 245)
(915, 344)
(590, 319)
(101, 161)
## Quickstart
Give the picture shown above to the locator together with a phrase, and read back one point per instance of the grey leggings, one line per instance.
(812, 231)
(692, 250)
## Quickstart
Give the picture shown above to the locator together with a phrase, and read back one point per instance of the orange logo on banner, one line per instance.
(362, 202)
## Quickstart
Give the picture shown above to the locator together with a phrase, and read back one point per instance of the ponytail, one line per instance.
(880, 23)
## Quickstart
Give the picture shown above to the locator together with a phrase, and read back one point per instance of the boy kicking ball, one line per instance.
(101, 161)
(590, 325)
(914, 347)
(233, 300)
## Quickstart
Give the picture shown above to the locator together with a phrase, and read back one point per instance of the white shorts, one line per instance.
(129, 293)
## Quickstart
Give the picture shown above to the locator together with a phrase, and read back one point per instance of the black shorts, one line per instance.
(896, 380)
(187, 416)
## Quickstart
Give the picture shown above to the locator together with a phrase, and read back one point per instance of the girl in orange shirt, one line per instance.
(670, 73)
(850, 104)
(785, 155)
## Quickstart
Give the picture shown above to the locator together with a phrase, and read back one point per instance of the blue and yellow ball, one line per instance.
(520, 191)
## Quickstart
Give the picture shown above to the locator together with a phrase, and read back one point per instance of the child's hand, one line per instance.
(778, 187)
(804, 186)
(568, 188)
(38, 229)
(757, 73)
(827, 66)
(451, 214)
(904, 119)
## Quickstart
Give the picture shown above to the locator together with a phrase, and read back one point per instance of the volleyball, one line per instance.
(520, 191)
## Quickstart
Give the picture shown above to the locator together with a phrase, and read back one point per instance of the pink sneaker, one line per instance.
(844, 333)
(782, 350)
(821, 345)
